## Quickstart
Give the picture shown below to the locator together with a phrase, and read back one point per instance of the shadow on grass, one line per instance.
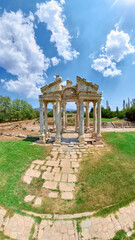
(31, 139)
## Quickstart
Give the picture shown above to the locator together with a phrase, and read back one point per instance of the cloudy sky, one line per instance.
(92, 39)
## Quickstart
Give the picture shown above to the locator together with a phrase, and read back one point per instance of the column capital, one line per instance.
(41, 101)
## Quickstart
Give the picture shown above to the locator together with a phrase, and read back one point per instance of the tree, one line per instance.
(5, 108)
(124, 104)
(107, 105)
(15, 110)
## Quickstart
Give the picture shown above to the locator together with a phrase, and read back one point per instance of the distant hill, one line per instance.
(49, 109)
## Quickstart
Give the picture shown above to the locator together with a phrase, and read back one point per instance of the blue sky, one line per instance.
(92, 39)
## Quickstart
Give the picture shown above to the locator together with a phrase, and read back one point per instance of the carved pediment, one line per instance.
(85, 86)
(69, 93)
(53, 86)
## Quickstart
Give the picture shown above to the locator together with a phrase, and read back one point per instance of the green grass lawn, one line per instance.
(106, 180)
(108, 119)
(15, 158)
(107, 177)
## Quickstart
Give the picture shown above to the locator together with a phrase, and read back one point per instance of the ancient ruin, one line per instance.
(82, 94)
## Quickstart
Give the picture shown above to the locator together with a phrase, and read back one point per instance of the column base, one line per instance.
(64, 130)
(58, 139)
(46, 135)
(98, 137)
(42, 138)
(94, 135)
(87, 129)
(81, 139)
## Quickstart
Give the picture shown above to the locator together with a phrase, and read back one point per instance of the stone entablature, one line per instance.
(82, 94)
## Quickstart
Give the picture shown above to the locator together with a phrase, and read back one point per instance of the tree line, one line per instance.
(21, 110)
(16, 110)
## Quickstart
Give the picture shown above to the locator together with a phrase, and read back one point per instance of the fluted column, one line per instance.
(58, 122)
(94, 118)
(54, 117)
(77, 117)
(81, 132)
(42, 135)
(99, 119)
(64, 117)
(46, 121)
(87, 117)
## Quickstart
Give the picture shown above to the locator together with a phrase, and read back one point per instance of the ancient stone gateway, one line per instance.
(82, 94)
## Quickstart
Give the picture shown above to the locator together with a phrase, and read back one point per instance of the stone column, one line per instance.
(58, 122)
(77, 117)
(81, 132)
(94, 118)
(46, 121)
(64, 117)
(42, 135)
(99, 120)
(54, 117)
(87, 117)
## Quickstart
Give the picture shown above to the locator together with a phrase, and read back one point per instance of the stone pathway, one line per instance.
(59, 171)
(20, 227)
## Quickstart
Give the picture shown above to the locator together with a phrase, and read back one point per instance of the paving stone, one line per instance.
(67, 195)
(86, 223)
(64, 177)
(43, 168)
(39, 162)
(33, 173)
(52, 163)
(2, 214)
(37, 167)
(53, 195)
(76, 170)
(72, 178)
(50, 185)
(49, 169)
(57, 177)
(32, 166)
(65, 164)
(27, 179)
(67, 187)
(67, 170)
(38, 201)
(75, 164)
(56, 170)
(29, 198)
(47, 176)
(19, 227)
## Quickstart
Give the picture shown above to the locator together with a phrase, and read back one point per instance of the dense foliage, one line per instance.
(15, 110)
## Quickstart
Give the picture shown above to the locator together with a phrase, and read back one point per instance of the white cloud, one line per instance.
(2, 80)
(55, 61)
(20, 55)
(78, 33)
(117, 47)
(106, 66)
(100, 64)
(51, 14)
(124, 2)
(62, 1)
(133, 62)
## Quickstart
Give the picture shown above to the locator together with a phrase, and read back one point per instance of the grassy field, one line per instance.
(107, 177)
(106, 180)
(108, 119)
(15, 158)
